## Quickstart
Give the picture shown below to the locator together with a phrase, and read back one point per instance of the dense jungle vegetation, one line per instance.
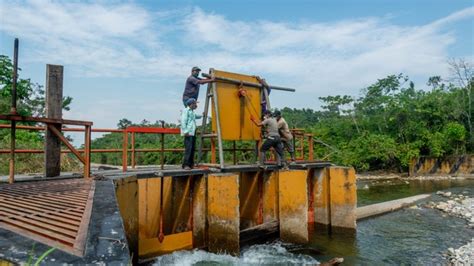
(390, 122)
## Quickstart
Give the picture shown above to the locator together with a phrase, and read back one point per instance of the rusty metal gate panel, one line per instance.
(235, 109)
(55, 213)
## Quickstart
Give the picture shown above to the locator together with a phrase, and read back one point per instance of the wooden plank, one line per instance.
(56, 213)
(44, 232)
(43, 190)
(259, 232)
(34, 204)
(58, 195)
(73, 196)
(81, 237)
(56, 199)
(57, 133)
(54, 102)
(37, 218)
(43, 198)
(39, 238)
(45, 215)
(45, 120)
(51, 204)
(21, 207)
(22, 221)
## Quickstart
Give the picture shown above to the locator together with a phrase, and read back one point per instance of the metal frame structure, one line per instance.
(56, 213)
(50, 124)
(212, 98)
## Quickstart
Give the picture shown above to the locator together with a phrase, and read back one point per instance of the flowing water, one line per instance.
(409, 236)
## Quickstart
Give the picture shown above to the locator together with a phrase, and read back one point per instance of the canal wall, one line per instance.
(453, 165)
(219, 211)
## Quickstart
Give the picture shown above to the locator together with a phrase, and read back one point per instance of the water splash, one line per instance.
(268, 254)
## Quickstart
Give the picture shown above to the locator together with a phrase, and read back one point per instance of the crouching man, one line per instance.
(285, 134)
(272, 137)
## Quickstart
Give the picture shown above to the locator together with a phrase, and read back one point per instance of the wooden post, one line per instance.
(133, 150)
(54, 103)
(311, 147)
(213, 150)
(11, 178)
(87, 151)
(125, 151)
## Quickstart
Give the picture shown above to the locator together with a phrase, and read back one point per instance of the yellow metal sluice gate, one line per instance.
(222, 209)
(214, 210)
(237, 104)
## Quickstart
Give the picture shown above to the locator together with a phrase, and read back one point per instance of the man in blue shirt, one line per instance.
(188, 130)
(191, 88)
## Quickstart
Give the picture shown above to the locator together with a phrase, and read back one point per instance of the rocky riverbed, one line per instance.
(462, 206)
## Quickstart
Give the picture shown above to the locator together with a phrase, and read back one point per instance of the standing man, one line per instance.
(272, 137)
(285, 134)
(191, 89)
(188, 130)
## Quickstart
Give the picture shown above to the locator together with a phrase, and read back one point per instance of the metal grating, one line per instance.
(56, 213)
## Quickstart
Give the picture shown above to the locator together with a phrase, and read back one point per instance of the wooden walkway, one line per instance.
(55, 213)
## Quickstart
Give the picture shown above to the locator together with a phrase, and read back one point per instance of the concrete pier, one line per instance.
(218, 210)
(388, 206)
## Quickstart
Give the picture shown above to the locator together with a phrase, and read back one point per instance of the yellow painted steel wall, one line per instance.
(176, 211)
(230, 110)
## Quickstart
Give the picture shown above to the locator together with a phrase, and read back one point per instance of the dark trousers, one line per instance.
(274, 142)
(189, 147)
(288, 144)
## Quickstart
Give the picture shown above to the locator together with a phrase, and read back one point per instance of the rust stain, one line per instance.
(55, 213)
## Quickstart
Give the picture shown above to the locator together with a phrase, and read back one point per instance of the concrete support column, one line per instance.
(270, 196)
(199, 212)
(223, 213)
(321, 205)
(343, 197)
(293, 206)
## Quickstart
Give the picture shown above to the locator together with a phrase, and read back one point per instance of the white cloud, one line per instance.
(126, 40)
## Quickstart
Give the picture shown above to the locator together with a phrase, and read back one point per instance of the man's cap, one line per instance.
(190, 101)
(277, 113)
(267, 112)
(196, 68)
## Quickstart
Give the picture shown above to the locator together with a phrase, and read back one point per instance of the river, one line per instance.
(414, 235)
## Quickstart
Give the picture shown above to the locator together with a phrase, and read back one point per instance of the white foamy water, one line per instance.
(267, 254)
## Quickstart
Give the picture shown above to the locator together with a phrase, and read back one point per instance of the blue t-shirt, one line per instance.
(191, 89)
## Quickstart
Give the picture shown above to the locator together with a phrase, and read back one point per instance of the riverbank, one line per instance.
(462, 206)
(404, 176)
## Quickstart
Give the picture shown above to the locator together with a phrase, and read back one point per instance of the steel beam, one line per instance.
(248, 84)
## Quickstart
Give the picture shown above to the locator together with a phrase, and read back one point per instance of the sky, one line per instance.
(130, 59)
